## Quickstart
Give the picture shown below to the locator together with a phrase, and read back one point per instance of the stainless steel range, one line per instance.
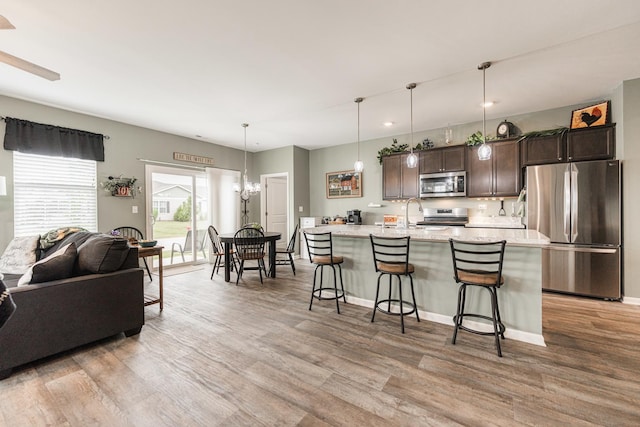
(445, 216)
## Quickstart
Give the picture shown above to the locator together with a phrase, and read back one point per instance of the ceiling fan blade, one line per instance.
(29, 67)
(5, 24)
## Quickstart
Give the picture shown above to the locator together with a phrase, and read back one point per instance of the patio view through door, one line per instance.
(178, 209)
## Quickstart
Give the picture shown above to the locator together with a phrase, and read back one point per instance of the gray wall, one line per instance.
(126, 144)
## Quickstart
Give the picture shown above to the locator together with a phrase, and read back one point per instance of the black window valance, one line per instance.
(36, 138)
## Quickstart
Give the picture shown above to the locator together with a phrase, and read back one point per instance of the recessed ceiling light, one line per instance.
(487, 104)
(387, 124)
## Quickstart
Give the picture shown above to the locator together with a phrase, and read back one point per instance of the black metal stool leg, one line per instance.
(401, 304)
(313, 288)
(344, 297)
(496, 330)
(389, 299)
(457, 319)
(335, 287)
(413, 295)
(375, 304)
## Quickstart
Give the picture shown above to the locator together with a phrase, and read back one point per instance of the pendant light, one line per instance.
(412, 158)
(484, 151)
(358, 166)
(248, 188)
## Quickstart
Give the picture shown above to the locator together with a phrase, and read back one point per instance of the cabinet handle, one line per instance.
(559, 158)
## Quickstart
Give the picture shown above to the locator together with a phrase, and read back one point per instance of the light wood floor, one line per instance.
(254, 355)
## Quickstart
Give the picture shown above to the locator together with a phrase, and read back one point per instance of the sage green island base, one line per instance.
(520, 299)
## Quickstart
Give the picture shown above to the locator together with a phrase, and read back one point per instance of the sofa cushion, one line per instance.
(56, 266)
(102, 254)
(19, 255)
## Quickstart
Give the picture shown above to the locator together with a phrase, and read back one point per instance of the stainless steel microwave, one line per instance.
(446, 184)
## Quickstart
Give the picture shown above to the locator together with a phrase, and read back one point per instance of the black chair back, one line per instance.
(214, 237)
(319, 246)
(390, 253)
(478, 262)
(129, 232)
(291, 247)
(249, 243)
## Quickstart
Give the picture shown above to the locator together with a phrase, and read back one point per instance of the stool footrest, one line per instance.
(412, 308)
(318, 293)
(501, 327)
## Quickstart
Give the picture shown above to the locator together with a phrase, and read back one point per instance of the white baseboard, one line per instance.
(631, 300)
(514, 334)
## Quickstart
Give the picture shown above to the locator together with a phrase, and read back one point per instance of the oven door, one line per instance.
(447, 184)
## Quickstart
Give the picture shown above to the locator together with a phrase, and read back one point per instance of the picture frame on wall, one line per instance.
(344, 184)
(592, 116)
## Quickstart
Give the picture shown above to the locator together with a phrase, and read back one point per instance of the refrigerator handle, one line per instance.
(574, 202)
(566, 205)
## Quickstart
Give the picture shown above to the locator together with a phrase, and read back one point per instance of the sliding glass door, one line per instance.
(178, 213)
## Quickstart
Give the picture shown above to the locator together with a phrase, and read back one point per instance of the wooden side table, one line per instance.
(151, 252)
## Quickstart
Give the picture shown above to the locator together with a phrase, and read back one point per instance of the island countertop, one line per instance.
(435, 289)
(514, 237)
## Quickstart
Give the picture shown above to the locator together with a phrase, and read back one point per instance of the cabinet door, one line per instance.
(391, 178)
(543, 150)
(431, 161)
(591, 144)
(453, 158)
(506, 168)
(409, 177)
(479, 174)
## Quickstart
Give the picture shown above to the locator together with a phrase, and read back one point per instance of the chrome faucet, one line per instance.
(406, 209)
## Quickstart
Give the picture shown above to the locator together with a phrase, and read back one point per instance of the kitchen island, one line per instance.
(436, 291)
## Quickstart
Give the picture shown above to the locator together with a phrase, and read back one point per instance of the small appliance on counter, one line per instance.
(354, 217)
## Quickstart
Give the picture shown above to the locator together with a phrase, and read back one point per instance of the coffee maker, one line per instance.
(354, 217)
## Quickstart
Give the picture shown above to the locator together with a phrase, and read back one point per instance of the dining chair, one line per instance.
(133, 233)
(218, 251)
(249, 246)
(288, 252)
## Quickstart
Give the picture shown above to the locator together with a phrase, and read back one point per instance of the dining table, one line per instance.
(270, 237)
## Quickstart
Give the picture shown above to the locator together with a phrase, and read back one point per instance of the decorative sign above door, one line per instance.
(193, 158)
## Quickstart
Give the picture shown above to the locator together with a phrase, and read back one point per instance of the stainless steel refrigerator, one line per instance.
(578, 206)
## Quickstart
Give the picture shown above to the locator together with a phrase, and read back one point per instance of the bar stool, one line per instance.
(478, 264)
(320, 247)
(391, 257)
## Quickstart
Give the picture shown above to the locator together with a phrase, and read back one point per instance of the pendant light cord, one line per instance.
(244, 183)
(484, 104)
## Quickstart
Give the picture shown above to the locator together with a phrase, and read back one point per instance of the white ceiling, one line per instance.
(291, 68)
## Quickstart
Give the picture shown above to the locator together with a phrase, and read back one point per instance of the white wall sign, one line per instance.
(193, 158)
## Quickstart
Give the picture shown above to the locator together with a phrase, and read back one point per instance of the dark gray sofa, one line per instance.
(59, 315)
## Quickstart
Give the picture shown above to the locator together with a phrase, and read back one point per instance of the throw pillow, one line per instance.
(56, 266)
(102, 254)
(19, 255)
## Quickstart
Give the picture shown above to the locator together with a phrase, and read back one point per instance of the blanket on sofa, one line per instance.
(53, 236)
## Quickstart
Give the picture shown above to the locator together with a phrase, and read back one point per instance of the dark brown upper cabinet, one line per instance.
(446, 159)
(498, 177)
(571, 146)
(398, 181)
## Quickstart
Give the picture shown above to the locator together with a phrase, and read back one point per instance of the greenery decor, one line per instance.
(475, 139)
(401, 148)
(394, 148)
(120, 186)
(539, 133)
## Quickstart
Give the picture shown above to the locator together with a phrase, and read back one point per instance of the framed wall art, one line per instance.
(594, 115)
(344, 184)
